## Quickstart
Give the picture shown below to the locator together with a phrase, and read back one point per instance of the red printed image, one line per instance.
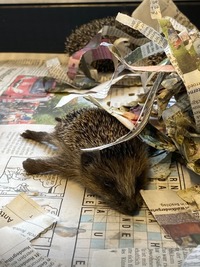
(27, 86)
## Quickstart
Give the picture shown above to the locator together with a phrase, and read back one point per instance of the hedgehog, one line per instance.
(115, 174)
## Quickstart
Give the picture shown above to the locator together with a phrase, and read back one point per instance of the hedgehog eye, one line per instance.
(88, 158)
(106, 181)
(109, 184)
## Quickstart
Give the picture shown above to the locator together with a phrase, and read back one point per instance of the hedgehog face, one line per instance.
(117, 179)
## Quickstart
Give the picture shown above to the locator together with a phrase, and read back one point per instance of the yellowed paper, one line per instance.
(26, 216)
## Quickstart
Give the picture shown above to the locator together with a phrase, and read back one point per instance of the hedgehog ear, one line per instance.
(88, 158)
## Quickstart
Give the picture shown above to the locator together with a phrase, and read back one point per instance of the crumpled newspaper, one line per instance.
(165, 64)
(191, 196)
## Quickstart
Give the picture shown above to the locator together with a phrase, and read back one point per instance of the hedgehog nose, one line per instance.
(130, 213)
(132, 210)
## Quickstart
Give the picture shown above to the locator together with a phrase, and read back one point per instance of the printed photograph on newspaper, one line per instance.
(174, 215)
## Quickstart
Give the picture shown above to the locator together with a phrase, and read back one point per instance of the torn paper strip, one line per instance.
(26, 216)
(167, 8)
(173, 214)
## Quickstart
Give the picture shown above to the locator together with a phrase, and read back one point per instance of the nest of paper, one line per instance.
(155, 88)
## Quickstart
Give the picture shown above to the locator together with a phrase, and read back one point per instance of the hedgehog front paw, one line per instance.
(31, 166)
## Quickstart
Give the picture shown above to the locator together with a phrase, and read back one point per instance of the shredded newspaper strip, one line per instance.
(154, 92)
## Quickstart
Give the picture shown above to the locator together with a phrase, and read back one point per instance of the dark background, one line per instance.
(43, 28)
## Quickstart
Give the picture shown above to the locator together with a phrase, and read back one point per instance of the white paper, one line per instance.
(193, 259)
(16, 251)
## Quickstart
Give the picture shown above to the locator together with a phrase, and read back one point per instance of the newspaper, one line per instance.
(165, 7)
(193, 258)
(132, 257)
(180, 43)
(174, 215)
(26, 216)
(17, 251)
(85, 226)
(51, 192)
(87, 230)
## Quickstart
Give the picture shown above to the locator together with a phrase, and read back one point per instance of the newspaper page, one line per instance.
(17, 251)
(51, 192)
(132, 257)
(174, 215)
(26, 216)
(85, 224)
(87, 229)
